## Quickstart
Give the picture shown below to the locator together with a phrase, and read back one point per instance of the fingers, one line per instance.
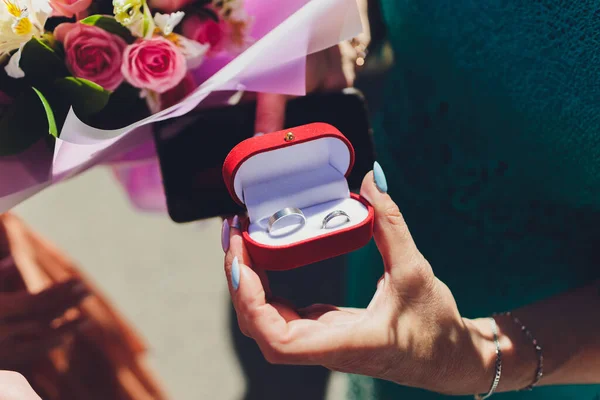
(330, 314)
(275, 325)
(391, 233)
(47, 304)
(27, 349)
(236, 256)
(282, 335)
(342, 61)
(53, 302)
(233, 230)
(237, 261)
(270, 112)
(379, 296)
(256, 316)
(35, 329)
(30, 328)
(267, 320)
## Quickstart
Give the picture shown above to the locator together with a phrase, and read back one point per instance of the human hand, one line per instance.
(14, 386)
(28, 322)
(411, 333)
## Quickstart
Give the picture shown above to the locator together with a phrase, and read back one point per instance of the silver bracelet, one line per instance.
(539, 372)
(498, 374)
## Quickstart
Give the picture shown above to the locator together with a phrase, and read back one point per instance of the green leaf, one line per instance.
(86, 97)
(23, 124)
(148, 21)
(109, 24)
(49, 114)
(40, 63)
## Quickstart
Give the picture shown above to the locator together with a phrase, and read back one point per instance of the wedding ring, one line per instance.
(286, 213)
(334, 214)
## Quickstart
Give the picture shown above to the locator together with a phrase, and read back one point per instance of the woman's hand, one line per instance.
(28, 326)
(411, 333)
(14, 386)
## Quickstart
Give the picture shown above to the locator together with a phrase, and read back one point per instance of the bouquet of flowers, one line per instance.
(113, 63)
(83, 81)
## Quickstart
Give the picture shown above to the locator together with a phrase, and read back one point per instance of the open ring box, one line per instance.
(305, 168)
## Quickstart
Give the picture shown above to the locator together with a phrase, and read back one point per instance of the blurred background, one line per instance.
(166, 279)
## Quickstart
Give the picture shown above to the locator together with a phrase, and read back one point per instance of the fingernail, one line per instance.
(379, 177)
(258, 134)
(225, 236)
(235, 273)
(235, 223)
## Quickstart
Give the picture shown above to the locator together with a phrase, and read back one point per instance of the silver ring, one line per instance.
(288, 212)
(334, 214)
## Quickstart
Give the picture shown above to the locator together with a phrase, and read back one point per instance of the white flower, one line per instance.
(20, 21)
(193, 51)
(167, 22)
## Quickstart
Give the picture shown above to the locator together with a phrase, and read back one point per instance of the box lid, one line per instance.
(311, 149)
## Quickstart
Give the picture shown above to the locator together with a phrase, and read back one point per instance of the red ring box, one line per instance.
(304, 167)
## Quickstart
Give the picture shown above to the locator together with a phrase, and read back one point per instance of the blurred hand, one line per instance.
(327, 70)
(411, 333)
(14, 386)
(28, 329)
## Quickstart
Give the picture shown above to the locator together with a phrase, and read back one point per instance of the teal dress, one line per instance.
(490, 140)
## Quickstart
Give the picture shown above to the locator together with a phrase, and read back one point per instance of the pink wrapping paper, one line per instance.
(285, 33)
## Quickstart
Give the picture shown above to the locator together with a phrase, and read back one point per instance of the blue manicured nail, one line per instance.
(235, 273)
(379, 176)
(225, 236)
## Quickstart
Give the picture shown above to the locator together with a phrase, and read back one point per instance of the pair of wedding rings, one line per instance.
(294, 213)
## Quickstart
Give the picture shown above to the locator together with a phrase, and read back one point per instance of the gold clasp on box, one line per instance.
(289, 137)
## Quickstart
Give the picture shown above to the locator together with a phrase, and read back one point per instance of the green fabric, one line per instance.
(490, 140)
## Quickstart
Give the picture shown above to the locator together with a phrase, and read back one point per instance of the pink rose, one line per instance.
(178, 93)
(207, 31)
(155, 64)
(69, 8)
(92, 53)
(169, 5)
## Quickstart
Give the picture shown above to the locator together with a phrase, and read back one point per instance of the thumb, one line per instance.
(270, 112)
(392, 236)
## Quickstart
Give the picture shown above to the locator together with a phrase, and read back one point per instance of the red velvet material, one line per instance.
(310, 251)
(276, 140)
(299, 254)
